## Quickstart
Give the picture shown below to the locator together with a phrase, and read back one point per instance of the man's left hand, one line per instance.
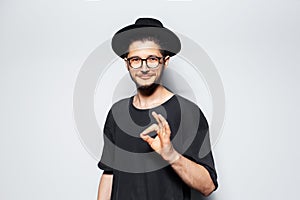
(161, 143)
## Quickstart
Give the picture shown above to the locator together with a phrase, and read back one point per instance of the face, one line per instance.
(144, 76)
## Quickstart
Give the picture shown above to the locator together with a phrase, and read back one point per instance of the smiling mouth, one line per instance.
(145, 77)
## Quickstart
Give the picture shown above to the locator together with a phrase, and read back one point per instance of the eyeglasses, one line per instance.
(136, 62)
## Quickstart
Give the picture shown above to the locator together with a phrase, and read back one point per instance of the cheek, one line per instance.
(132, 72)
(159, 72)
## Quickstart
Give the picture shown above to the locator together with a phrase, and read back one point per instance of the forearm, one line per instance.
(193, 174)
(105, 187)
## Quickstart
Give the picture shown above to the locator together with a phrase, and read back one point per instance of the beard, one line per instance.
(147, 90)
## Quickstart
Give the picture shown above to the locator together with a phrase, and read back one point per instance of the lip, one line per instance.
(145, 77)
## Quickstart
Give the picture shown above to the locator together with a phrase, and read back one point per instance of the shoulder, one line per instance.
(116, 111)
(121, 103)
(190, 108)
(120, 107)
(187, 104)
(186, 101)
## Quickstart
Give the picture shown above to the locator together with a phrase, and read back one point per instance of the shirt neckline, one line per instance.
(147, 109)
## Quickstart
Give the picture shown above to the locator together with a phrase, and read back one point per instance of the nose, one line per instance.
(144, 67)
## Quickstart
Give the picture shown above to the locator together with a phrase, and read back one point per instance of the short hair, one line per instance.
(154, 39)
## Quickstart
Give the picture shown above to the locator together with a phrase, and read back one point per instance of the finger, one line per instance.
(155, 115)
(167, 129)
(148, 139)
(161, 124)
(153, 127)
(144, 135)
(165, 124)
(162, 134)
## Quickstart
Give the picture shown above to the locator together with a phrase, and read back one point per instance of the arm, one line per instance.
(193, 174)
(105, 186)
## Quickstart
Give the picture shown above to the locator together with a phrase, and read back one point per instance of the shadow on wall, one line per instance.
(195, 195)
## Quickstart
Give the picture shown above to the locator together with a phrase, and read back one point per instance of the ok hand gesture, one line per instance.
(161, 143)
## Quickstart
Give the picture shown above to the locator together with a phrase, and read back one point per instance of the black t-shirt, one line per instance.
(139, 173)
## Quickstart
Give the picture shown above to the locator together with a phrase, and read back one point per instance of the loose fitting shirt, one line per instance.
(139, 173)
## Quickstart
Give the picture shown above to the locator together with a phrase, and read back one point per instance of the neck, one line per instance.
(151, 96)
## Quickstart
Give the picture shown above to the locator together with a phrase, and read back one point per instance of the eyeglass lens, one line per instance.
(137, 62)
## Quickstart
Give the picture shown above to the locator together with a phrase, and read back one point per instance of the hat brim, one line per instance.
(169, 42)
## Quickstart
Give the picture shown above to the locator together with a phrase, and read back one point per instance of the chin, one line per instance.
(144, 84)
(151, 86)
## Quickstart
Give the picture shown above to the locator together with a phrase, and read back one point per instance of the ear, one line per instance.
(166, 60)
(126, 64)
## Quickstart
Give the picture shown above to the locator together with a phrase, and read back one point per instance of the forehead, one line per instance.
(140, 48)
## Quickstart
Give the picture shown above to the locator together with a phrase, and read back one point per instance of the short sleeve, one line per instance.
(200, 150)
(107, 156)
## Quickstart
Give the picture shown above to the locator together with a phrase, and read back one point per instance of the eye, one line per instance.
(152, 59)
(135, 59)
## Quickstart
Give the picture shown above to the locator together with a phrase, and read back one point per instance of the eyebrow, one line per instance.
(146, 56)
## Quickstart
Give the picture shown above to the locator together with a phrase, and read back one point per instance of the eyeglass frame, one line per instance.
(145, 59)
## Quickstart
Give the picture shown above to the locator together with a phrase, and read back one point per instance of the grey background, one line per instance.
(254, 45)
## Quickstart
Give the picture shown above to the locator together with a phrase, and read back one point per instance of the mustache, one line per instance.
(143, 74)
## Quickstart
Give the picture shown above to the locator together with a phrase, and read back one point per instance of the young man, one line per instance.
(156, 143)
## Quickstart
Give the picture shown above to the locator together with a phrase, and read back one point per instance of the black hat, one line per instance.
(141, 29)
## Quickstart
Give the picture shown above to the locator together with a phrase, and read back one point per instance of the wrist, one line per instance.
(173, 157)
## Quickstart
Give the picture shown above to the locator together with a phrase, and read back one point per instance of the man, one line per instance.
(156, 143)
